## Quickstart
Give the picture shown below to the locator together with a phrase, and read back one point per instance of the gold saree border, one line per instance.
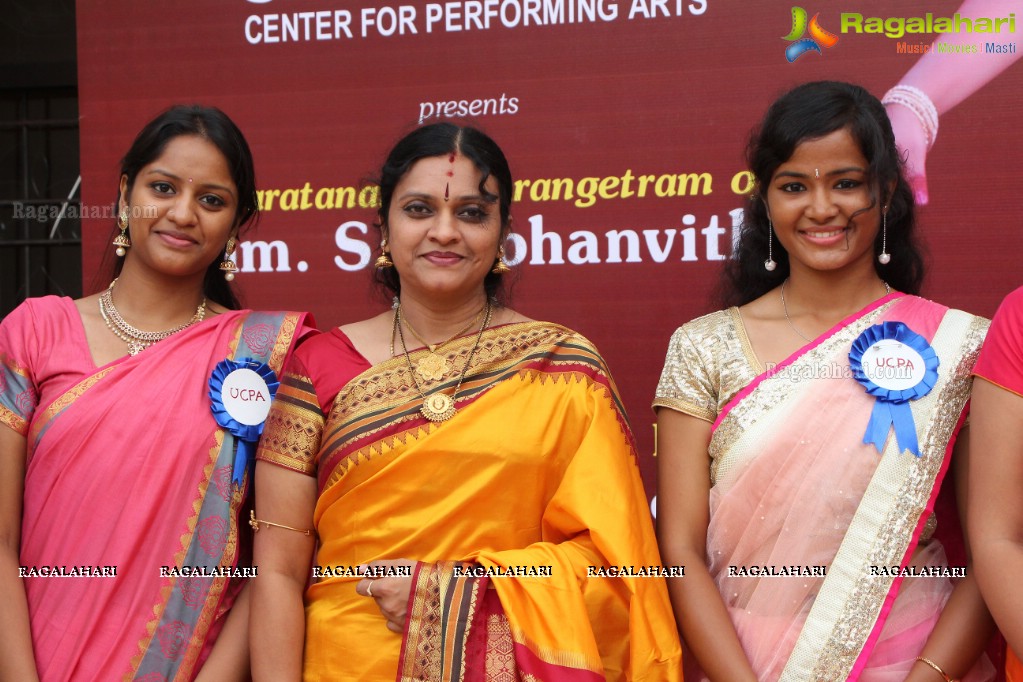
(291, 436)
(850, 601)
(378, 410)
(285, 337)
(65, 400)
(445, 614)
(422, 629)
(441, 617)
(17, 424)
(565, 659)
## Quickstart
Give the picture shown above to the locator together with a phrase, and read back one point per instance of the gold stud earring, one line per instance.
(228, 266)
(122, 241)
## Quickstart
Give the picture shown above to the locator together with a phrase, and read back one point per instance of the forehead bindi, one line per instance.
(450, 176)
(823, 156)
(194, 160)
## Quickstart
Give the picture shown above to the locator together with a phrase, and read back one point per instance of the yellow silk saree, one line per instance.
(535, 476)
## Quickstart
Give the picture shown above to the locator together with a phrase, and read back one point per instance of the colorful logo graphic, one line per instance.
(801, 45)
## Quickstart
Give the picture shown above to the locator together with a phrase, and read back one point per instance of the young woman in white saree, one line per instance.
(804, 434)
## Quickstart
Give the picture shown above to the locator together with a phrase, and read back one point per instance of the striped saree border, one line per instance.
(291, 436)
(266, 337)
(379, 409)
(442, 617)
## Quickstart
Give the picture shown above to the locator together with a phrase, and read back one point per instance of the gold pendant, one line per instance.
(135, 348)
(438, 407)
(432, 367)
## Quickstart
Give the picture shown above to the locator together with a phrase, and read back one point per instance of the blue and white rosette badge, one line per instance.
(240, 395)
(895, 365)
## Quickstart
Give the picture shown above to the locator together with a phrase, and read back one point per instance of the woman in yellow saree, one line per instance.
(803, 435)
(466, 475)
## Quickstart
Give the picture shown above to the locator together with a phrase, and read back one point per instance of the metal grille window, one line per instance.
(40, 226)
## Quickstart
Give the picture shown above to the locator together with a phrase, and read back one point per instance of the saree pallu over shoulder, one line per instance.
(796, 485)
(509, 507)
(129, 470)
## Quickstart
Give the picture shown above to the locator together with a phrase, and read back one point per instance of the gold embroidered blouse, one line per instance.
(709, 361)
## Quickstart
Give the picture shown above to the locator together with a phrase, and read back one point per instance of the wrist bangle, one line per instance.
(936, 667)
(917, 101)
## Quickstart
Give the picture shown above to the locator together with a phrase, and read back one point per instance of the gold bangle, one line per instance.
(936, 667)
(254, 522)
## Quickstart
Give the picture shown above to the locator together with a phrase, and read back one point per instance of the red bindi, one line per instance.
(451, 174)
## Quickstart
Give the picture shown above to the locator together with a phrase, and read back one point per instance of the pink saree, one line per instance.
(798, 493)
(127, 471)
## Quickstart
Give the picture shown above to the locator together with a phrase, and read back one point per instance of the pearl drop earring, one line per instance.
(770, 263)
(884, 258)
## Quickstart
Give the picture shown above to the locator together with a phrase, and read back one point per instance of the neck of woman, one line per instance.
(435, 320)
(831, 295)
(152, 302)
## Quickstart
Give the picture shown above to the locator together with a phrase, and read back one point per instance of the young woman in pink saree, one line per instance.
(121, 551)
(804, 434)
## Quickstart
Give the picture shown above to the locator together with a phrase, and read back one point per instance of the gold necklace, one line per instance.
(785, 307)
(432, 367)
(137, 339)
(438, 407)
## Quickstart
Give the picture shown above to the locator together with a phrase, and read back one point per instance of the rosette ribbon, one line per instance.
(241, 424)
(891, 407)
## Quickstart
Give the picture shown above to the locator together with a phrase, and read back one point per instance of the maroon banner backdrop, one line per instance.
(624, 121)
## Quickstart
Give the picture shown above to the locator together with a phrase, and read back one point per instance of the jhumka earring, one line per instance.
(500, 267)
(884, 258)
(122, 241)
(770, 263)
(228, 266)
(384, 261)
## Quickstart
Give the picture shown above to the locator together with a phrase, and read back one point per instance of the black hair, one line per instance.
(439, 139)
(807, 112)
(214, 126)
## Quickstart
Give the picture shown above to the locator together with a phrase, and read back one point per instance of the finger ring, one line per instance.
(369, 589)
